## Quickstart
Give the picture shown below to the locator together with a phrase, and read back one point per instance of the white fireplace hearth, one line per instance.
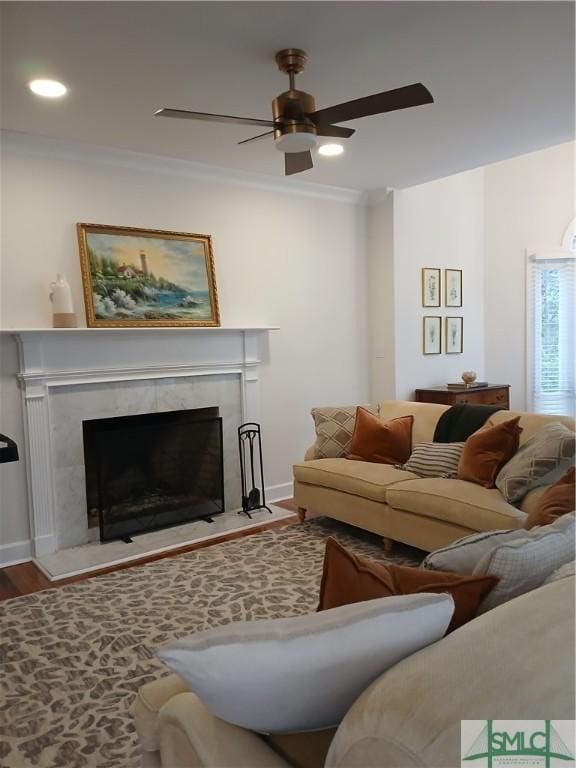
(69, 375)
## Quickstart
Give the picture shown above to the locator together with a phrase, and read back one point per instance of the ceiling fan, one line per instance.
(297, 123)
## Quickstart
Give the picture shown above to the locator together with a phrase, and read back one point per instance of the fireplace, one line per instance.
(153, 470)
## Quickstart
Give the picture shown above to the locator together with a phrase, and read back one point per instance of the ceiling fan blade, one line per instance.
(255, 138)
(336, 131)
(296, 162)
(207, 116)
(387, 101)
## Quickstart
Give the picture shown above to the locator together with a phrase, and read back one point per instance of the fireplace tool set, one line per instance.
(250, 448)
(8, 449)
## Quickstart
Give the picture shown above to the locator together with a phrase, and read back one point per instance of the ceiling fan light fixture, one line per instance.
(49, 89)
(296, 142)
(331, 150)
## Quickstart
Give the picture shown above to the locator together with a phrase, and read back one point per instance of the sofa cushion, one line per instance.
(348, 578)
(559, 499)
(542, 460)
(304, 672)
(426, 416)
(435, 459)
(487, 450)
(360, 478)
(531, 422)
(383, 442)
(334, 429)
(525, 563)
(455, 501)
(463, 555)
(513, 661)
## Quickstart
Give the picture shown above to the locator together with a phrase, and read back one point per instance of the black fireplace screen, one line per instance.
(153, 471)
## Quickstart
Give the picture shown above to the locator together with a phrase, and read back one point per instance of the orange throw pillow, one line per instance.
(348, 578)
(486, 451)
(559, 499)
(382, 442)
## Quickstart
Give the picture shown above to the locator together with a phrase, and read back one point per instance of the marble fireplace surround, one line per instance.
(67, 375)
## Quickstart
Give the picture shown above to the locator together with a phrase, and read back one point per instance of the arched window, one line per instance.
(551, 282)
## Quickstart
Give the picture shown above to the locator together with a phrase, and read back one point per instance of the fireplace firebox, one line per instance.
(153, 471)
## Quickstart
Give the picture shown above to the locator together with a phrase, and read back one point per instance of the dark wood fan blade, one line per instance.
(207, 116)
(387, 101)
(296, 162)
(336, 131)
(255, 138)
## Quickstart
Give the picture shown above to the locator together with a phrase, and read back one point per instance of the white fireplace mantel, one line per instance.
(53, 357)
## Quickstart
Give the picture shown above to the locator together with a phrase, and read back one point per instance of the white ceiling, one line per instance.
(501, 73)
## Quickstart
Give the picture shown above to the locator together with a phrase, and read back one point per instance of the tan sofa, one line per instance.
(427, 513)
(410, 716)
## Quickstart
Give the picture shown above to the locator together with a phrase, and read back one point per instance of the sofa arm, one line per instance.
(190, 737)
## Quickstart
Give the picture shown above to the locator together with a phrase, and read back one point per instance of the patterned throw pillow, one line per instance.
(463, 555)
(526, 563)
(542, 460)
(334, 430)
(435, 459)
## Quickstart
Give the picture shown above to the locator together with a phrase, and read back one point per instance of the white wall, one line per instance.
(529, 202)
(380, 297)
(282, 258)
(438, 224)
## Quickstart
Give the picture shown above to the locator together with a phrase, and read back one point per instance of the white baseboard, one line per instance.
(17, 552)
(279, 492)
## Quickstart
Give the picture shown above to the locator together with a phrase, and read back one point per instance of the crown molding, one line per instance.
(376, 196)
(17, 142)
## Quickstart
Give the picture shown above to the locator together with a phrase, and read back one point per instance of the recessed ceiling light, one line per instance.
(50, 89)
(331, 150)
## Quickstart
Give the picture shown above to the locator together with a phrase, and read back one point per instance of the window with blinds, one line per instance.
(551, 317)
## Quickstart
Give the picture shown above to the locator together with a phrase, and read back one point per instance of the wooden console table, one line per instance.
(493, 394)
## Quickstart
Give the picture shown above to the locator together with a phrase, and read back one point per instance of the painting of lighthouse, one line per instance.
(141, 277)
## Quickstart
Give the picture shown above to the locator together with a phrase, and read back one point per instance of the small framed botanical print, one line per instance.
(430, 287)
(432, 335)
(454, 335)
(453, 287)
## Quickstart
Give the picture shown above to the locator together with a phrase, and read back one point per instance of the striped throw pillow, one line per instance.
(435, 459)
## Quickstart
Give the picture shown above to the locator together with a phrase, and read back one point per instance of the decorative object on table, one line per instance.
(451, 394)
(462, 385)
(432, 335)
(63, 315)
(250, 444)
(469, 377)
(8, 450)
(453, 287)
(430, 287)
(454, 332)
(147, 277)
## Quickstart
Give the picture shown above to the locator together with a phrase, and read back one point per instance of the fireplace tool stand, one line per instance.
(8, 450)
(249, 443)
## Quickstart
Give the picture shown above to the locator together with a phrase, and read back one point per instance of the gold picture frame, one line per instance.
(454, 335)
(136, 278)
(452, 287)
(431, 335)
(431, 287)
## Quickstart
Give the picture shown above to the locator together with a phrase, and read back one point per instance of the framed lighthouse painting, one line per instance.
(146, 277)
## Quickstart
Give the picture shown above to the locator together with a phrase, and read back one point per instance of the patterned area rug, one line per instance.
(73, 658)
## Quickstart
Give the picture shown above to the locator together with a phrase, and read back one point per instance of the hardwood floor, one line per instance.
(23, 579)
